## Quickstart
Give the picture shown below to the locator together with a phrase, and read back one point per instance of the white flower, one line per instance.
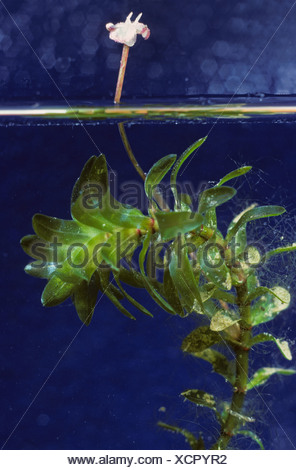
(126, 33)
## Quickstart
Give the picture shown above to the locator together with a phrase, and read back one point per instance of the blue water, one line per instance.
(101, 387)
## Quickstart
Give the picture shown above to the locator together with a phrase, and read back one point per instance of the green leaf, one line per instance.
(56, 291)
(282, 345)
(211, 218)
(41, 270)
(262, 375)
(225, 296)
(108, 215)
(180, 162)
(200, 398)
(46, 260)
(241, 417)
(105, 283)
(171, 293)
(270, 305)
(261, 291)
(207, 291)
(200, 339)
(95, 172)
(195, 444)
(213, 266)
(234, 174)
(122, 242)
(131, 277)
(148, 284)
(280, 250)
(157, 173)
(238, 243)
(130, 298)
(85, 298)
(83, 260)
(251, 435)
(252, 283)
(223, 319)
(35, 247)
(186, 201)
(221, 365)
(183, 277)
(89, 193)
(64, 231)
(122, 215)
(171, 224)
(90, 216)
(254, 214)
(214, 197)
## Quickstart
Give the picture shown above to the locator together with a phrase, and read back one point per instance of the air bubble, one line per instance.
(90, 47)
(62, 64)
(48, 60)
(155, 70)
(113, 61)
(43, 419)
(209, 67)
(221, 49)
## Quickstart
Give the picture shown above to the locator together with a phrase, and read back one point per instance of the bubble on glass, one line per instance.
(255, 28)
(285, 78)
(197, 27)
(238, 25)
(240, 7)
(148, 50)
(246, 87)
(232, 83)
(192, 90)
(216, 87)
(88, 68)
(221, 49)
(90, 47)
(95, 16)
(43, 419)
(48, 60)
(112, 62)
(70, 4)
(260, 81)
(22, 78)
(21, 19)
(225, 70)
(239, 69)
(90, 31)
(204, 11)
(76, 19)
(5, 43)
(209, 67)
(155, 70)
(4, 75)
(48, 44)
(163, 35)
(62, 64)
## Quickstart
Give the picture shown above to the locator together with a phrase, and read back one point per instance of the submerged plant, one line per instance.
(181, 258)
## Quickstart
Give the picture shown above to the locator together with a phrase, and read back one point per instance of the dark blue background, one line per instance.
(196, 46)
(106, 391)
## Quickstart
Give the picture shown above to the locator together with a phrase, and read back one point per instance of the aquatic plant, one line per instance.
(181, 258)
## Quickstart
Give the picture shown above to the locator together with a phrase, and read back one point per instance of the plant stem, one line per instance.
(242, 364)
(157, 196)
(129, 151)
(123, 62)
